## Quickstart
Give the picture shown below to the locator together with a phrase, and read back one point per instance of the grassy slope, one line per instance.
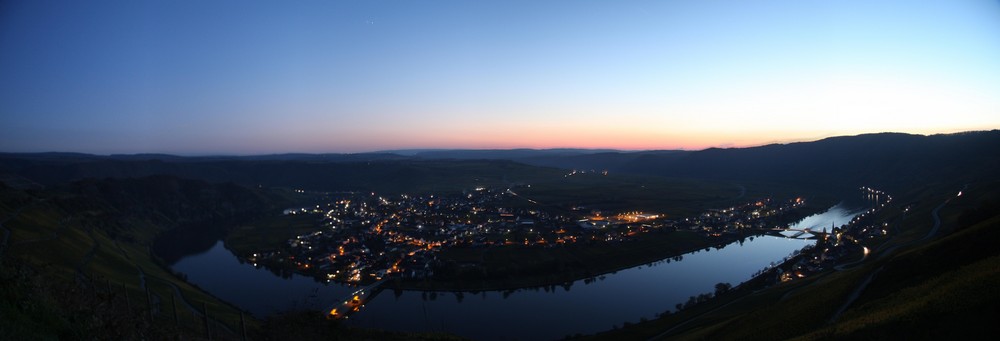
(673, 196)
(960, 304)
(64, 253)
(66, 248)
(946, 289)
(941, 287)
(270, 232)
(620, 192)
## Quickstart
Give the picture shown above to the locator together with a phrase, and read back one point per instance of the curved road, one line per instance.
(177, 291)
(935, 214)
(882, 254)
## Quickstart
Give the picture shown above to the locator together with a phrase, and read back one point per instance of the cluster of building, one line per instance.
(840, 242)
(751, 215)
(365, 237)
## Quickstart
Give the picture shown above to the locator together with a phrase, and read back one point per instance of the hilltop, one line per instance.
(72, 220)
(887, 160)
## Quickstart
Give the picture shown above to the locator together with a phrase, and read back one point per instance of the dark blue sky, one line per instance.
(243, 77)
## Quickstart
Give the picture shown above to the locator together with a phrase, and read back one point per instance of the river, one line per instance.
(837, 215)
(584, 306)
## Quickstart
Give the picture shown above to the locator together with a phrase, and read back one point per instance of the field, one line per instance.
(269, 232)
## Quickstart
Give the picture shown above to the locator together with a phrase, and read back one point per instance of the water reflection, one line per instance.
(259, 291)
(584, 306)
(838, 215)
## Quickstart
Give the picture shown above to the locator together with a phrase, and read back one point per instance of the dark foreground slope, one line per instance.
(926, 281)
(77, 263)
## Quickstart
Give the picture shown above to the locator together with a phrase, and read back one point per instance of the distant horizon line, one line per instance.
(414, 151)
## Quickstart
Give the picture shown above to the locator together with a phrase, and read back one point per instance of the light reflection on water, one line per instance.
(837, 215)
(259, 291)
(584, 306)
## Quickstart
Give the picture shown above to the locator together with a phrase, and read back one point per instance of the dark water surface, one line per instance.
(584, 306)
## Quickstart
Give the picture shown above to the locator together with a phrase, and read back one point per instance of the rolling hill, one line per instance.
(70, 219)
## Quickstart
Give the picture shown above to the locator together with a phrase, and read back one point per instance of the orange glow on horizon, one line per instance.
(543, 135)
(540, 138)
(608, 140)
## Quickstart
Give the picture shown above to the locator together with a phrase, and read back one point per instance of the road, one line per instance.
(90, 255)
(856, 293)
(882, 254)
(845, 266)
(668, 331)
(522, 197)
(143, 277)
(854, 296)
(355, 300)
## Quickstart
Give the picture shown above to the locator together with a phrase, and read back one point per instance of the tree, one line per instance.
(722, 287)
(691, 302)
(704, 297)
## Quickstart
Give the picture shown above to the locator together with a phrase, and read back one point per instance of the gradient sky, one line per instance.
(249, 77)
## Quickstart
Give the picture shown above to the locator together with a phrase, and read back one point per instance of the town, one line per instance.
(362, 238)
(841, 244)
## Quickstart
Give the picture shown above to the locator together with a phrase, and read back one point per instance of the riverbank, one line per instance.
(584, 306)
(469, 268)
(527, 267)
(74, 256)
(538, 267)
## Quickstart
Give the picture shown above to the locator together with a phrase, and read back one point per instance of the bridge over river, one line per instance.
(798, 233)
(355, 300)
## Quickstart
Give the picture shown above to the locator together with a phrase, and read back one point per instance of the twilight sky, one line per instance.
(251, 77)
